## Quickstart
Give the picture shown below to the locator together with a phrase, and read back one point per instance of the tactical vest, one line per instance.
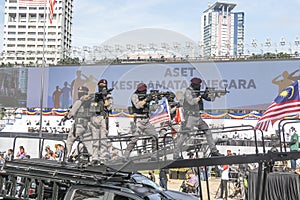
(88, 109)
(141, 111)
(192, 108)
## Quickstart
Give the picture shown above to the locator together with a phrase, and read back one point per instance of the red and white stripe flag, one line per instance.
(287, 103)
(51, 9)
(32, 2)
(161, 114)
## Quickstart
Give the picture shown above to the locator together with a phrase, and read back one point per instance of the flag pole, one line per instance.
(42, 79)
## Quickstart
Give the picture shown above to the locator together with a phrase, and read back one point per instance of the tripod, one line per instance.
(235, 188)
(224, 188)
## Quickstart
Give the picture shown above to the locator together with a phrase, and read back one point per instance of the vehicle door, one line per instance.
(96, 193)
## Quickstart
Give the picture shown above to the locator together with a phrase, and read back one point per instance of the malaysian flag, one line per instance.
(32, 2)
(287, 103)
(161, 114)
(51, 9)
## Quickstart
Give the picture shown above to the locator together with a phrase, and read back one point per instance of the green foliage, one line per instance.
(69, 61)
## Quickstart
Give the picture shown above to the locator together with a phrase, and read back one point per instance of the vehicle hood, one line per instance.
(179, 195)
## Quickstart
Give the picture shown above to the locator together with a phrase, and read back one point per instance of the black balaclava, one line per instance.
(196, 83)
(101, 85)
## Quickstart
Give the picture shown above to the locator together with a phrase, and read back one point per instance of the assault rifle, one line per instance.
(211, 92)
(154, 95)
(101, 96)
(65, 118)
(174, 104)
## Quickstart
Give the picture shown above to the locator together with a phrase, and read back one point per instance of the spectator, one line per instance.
(204, 177)
(191, 182)
(152, 176)
(21, 154)
(8, 155)
(224, 179)
(49, 153)
(61, 151)
(229, 153)
(163, 179)
(294, 145)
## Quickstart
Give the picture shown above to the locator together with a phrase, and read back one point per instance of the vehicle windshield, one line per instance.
(139, 178)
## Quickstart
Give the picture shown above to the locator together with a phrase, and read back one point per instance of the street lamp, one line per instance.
(297, 41)
(268, 42)
(282, 41)
(254, 43)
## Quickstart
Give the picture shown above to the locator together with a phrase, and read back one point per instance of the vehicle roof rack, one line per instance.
(62, 172)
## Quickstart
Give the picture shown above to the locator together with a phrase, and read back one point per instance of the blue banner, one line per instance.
(252, 85)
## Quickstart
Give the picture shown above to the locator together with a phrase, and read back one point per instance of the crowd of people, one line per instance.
(57, 154)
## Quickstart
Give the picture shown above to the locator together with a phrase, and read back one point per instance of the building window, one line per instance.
(22, 17)
(12, 17)
(32, 17)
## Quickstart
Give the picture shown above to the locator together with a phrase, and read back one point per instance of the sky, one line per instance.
(95, 21)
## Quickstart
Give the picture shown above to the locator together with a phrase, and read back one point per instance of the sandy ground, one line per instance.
(174, 184)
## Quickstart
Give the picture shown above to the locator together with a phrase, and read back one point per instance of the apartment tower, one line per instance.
(222, 31)
(36, 29)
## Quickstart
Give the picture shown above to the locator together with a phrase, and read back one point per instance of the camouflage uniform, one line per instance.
(81, 113)
(143, 126)
(99, 130)
(192, 107)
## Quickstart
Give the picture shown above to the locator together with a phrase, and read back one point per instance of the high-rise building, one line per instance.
(36, 29)
(222, 31)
